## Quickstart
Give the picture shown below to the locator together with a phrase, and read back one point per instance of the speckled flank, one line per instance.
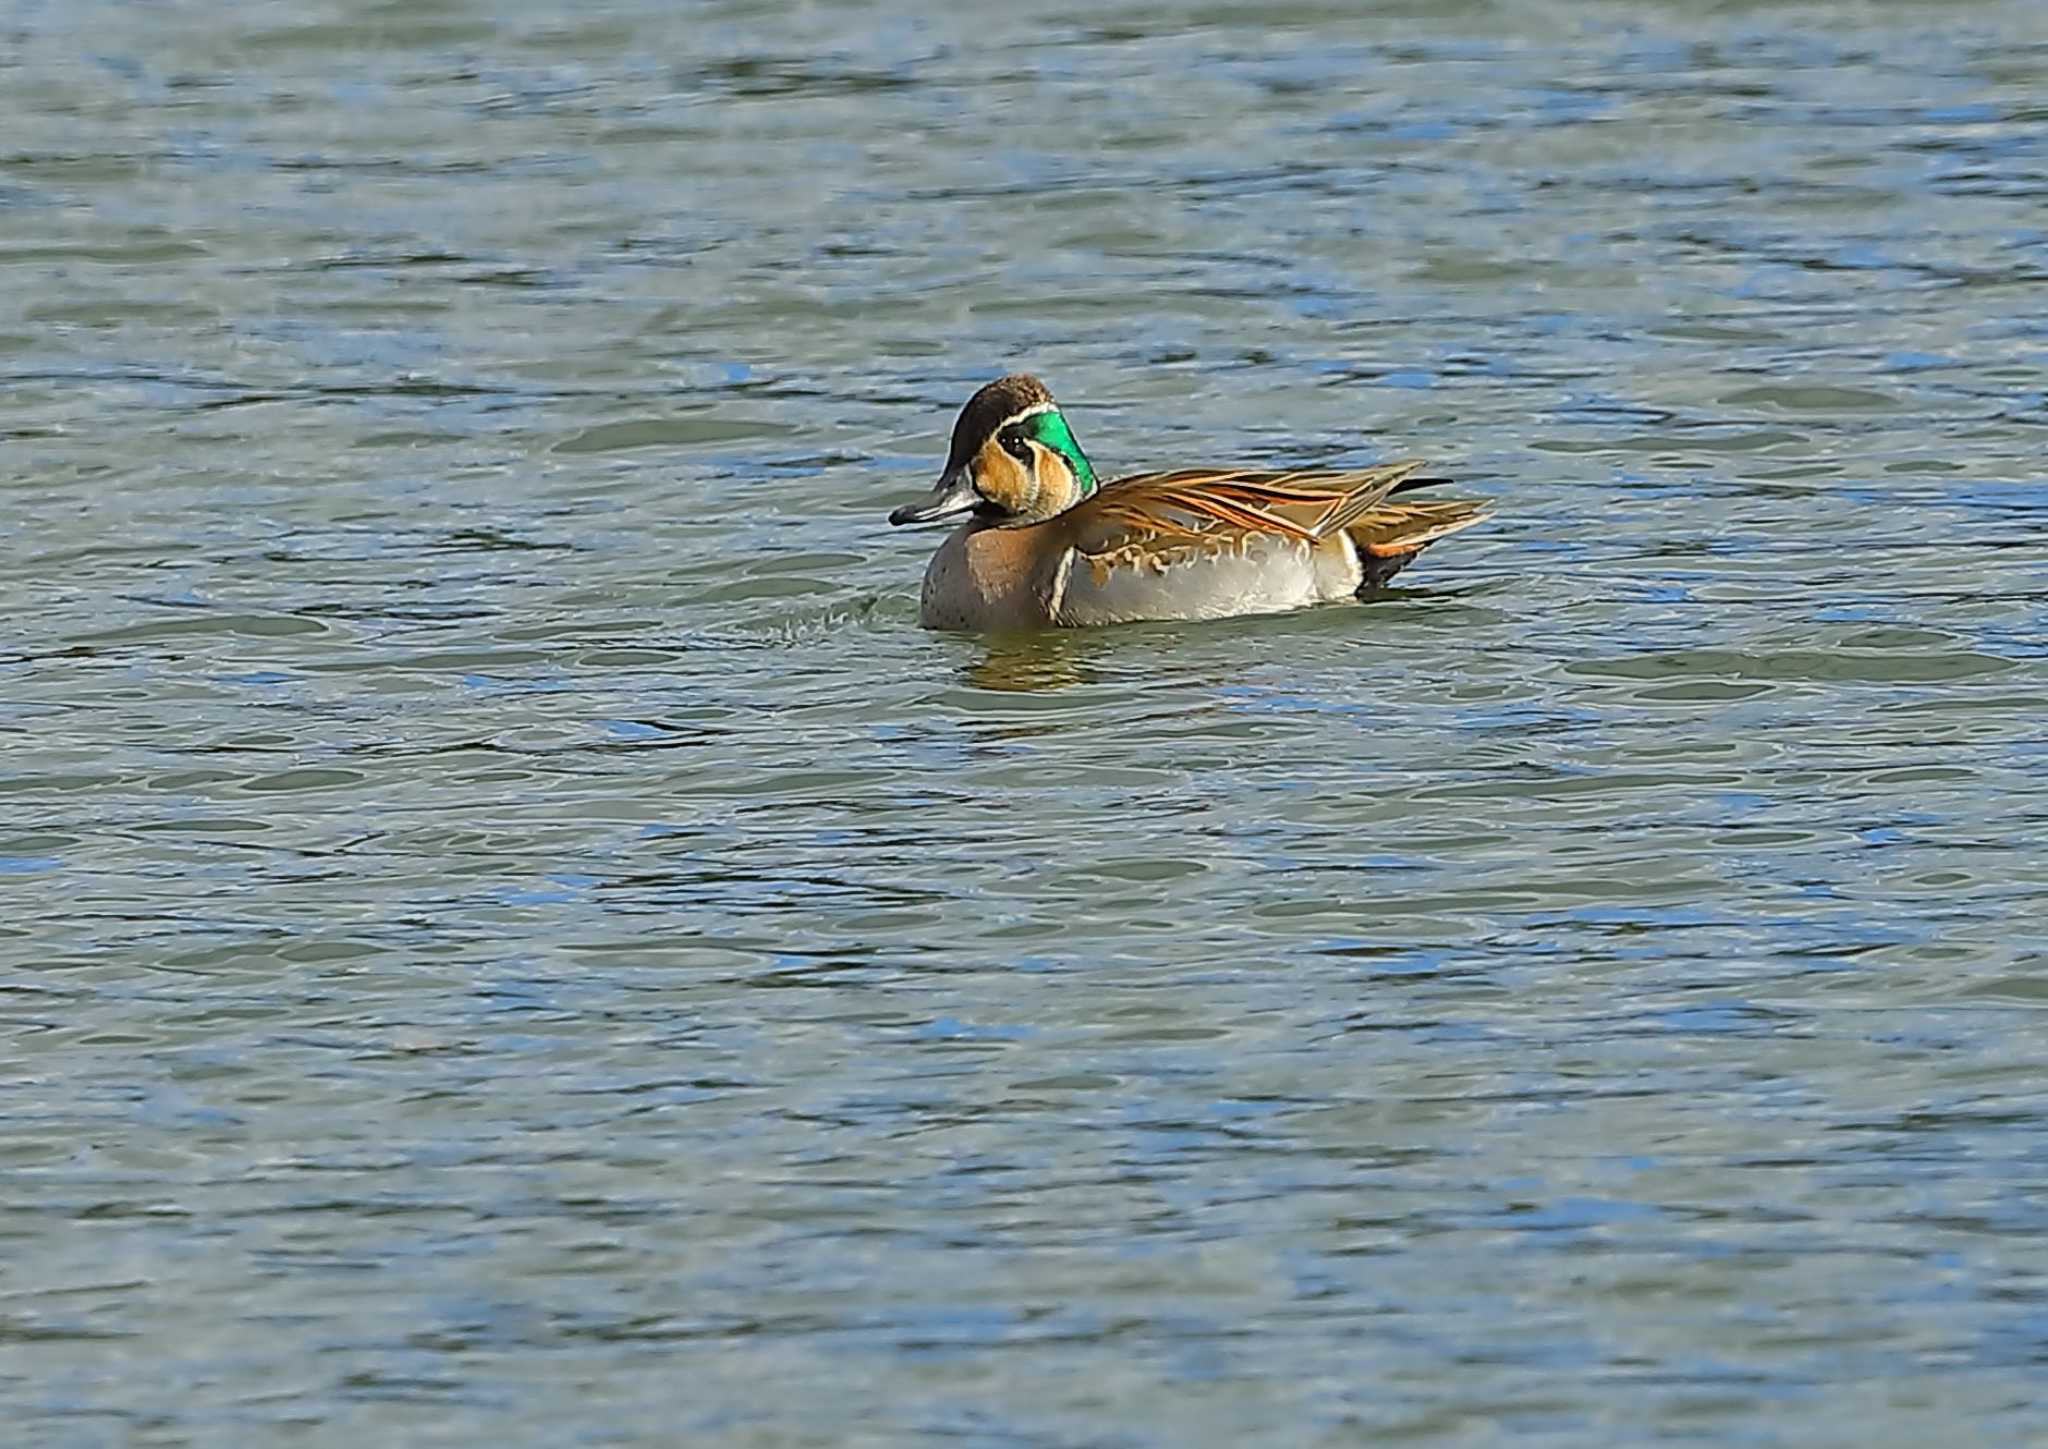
(1245, 575)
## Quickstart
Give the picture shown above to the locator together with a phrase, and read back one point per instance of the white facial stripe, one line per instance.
(1031, 412)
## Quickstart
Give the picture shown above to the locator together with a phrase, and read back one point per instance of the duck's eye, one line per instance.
(1016, 447)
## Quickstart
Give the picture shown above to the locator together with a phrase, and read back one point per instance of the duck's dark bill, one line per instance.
(953, 498)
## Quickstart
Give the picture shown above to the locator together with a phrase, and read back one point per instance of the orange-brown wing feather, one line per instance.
(1393, 529)
(1196, 504)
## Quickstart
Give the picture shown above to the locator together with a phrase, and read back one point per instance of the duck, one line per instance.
(1041, 543)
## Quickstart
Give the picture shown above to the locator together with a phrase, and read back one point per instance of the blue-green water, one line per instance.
(512, 936)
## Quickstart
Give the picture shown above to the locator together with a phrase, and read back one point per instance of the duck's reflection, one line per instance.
(1048, 659)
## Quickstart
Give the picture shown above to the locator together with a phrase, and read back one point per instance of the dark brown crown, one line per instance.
(986, 410)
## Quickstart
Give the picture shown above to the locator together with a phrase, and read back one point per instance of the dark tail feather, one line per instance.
(1387, 538)
(1377, 573)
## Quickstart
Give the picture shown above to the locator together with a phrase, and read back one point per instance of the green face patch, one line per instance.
(1051, 429)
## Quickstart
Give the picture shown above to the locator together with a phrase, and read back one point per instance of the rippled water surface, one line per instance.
(512, 935)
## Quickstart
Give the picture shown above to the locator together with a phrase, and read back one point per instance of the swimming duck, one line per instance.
(1042, 544)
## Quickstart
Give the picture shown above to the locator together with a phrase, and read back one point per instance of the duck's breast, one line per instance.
(990, 578)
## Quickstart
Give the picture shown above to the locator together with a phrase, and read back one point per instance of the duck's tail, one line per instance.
(1389, 536)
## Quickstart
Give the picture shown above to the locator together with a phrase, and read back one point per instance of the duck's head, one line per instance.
(1014, 461)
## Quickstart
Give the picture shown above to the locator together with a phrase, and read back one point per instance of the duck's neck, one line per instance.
(1055, 434)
